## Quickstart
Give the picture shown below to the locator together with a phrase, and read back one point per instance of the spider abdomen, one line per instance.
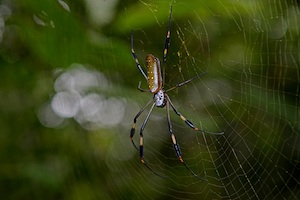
(154, 73)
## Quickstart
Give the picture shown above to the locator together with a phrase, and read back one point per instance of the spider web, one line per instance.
(250, 51)
(251, 91)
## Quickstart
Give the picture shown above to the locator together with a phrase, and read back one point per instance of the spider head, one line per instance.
(159, 99)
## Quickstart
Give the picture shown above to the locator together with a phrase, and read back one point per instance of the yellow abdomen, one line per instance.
(154, 73)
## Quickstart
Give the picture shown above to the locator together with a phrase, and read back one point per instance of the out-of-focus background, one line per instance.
(69, 94)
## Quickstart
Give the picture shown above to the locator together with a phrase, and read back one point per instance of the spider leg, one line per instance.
(167, 44)
(132, 131)
(141, 149)
(135, 57)
(175, 144)
(185, 82)
(168, 36)
(142, 90)
(141, 133)
(188, 122)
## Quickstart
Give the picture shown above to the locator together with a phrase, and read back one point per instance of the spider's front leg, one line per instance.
(175, 144)
(132, 131)
(188, 122)
(141, 134)
(141, 147)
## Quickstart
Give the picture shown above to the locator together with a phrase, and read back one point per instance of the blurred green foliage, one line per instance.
(260, 116)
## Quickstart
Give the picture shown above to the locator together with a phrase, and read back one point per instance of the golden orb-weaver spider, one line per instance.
(161, 99)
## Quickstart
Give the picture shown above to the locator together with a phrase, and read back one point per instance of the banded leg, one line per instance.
(188, 122)
(175, 144)
(167, 44)
(168, 36)
(141, 134)
(135, 57)
(141, 149)
(132, 131)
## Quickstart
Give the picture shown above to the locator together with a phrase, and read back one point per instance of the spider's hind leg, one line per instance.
(135, 57)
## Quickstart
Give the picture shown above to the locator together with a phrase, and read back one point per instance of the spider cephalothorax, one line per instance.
(159, 99)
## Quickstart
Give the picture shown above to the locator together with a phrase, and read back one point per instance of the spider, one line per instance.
(161, 99)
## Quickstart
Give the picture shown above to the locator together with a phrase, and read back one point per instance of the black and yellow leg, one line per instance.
(141, 147)
(135, 57)
(188, 122)
(132, 131)
(175, 144)
(168, 36)
(166, 46)
(141, 133)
